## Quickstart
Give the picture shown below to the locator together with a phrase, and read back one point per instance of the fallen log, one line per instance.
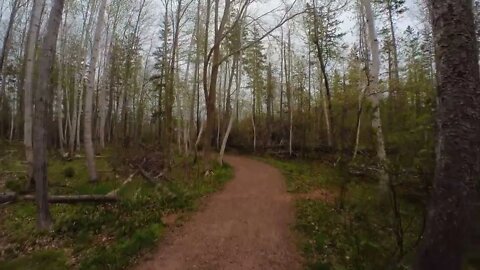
(7, 197)
(64, 199)
(129, 179)
(146, 175)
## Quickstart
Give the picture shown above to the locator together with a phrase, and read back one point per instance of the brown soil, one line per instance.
(245, 226)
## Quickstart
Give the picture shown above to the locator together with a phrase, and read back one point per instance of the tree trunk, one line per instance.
(454, 201)
(211, 94)
(328, 100)
(358, 125)
(42, 107)
(287, 70)
(395, 71)
(326, 111)
(8, 36)
(4, 58)
(170, 83)
(102, 102)
(282, 56)
(60, 86)
(374, 95)
(196, 83)
(237, 63)
(269, 101)
(323, 70)
(31, 44)
(87, 129)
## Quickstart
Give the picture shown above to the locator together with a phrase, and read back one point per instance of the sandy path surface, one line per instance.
(244, 226)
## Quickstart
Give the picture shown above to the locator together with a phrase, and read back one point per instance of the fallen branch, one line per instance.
(146, 175)
(129, 179)
(65, 199)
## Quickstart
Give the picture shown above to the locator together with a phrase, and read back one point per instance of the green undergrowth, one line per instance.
(354, 232)
(100, 236)
(305, 176)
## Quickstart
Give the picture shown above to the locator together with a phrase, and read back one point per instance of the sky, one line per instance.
(411, 17)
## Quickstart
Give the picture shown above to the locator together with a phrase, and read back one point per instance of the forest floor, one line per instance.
(247, 225)
(100, 236)
(272, 214)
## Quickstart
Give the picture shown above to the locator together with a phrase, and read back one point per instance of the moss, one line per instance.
(41, 260)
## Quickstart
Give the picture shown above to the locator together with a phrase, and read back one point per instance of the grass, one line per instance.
(305, 176)
(354, 232)
(48, 259)
(91, 236)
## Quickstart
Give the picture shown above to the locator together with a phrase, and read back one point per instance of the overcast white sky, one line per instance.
(259, 7)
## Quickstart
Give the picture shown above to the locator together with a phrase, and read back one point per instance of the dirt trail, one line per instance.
(245, 226)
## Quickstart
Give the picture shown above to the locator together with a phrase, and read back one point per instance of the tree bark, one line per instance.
(87, 129)
(453, 206)
(237, 64)
(287, 69)
(60, 86)
(396, 75)
(4, 58)
(196, 83)
(102, 102)
(374, 95)
(8, 35)
(211, 94)
(42, 107)
(323, 70)
(31, 44)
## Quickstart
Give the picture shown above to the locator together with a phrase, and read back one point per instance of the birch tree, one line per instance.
(28, 72)
(374, 94)
(87, 132)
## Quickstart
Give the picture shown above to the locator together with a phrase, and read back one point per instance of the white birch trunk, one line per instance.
(225, 140)
(87, 129)
(59, 115)
(200, 133)
(32, 38)
(230, 122)
(73, 121)
(374, 96)
(102, 102)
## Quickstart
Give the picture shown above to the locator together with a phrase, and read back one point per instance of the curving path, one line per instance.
(244, 226)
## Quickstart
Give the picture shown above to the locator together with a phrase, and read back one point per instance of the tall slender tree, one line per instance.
(42, 108)
(374, 94)
(87, 122)
(32, 37)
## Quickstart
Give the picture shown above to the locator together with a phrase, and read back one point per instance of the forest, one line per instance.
(239, 134)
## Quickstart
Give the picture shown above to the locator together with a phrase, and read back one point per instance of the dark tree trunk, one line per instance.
(4, 105)
(451, 211)
(42, 110)
(270, 89)
(211, 94)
